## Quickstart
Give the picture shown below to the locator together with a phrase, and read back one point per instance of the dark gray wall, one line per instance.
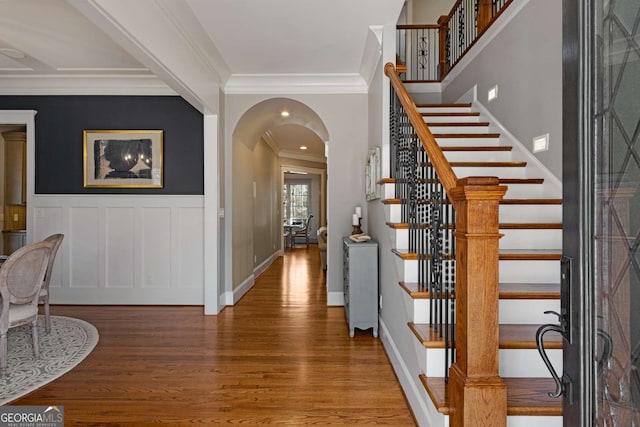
(61, 120)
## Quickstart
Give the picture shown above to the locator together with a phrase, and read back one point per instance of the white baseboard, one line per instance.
(265, 264)
(231, 298)
(335, 298)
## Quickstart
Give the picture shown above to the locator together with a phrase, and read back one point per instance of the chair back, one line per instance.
(22, 274)
(55, 240)
(307, 221)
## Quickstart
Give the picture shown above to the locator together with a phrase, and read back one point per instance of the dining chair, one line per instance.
(56, 241)
(21, 278)
(302, 232)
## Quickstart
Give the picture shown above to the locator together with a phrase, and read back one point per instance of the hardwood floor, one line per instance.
(280, 356)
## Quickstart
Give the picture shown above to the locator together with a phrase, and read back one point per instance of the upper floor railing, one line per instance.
(430, 51)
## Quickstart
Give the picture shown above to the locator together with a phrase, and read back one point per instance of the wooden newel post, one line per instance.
(443, 66)
(477, 395)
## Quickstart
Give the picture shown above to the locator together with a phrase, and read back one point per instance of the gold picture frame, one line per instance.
(123, 158)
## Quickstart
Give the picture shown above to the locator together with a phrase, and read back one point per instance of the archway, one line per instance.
(253, 201)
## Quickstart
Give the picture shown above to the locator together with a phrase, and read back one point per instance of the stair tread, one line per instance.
(511, 336)
(412, 256)
(460, 124)
(502, 226)
(530, 254)
(489, 164)
(466, 135)
(502, 180)
(477, 148)
(452, 114)
(506, 291)
(504, 254)
(525, 396)
(450, 105)
(550, 201)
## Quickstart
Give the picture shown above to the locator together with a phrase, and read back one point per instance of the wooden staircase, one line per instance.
(529, 268)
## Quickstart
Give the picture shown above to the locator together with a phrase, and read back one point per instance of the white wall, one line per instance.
(428, 11)
(525, 60)
(124, 249)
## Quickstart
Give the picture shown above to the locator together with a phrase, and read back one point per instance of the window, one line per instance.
(296, 202)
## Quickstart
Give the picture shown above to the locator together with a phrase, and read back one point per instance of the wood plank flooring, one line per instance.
(280, 356)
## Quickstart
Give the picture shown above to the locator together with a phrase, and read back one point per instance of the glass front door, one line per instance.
(601, 290)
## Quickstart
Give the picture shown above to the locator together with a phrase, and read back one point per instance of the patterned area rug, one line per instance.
(68, 343)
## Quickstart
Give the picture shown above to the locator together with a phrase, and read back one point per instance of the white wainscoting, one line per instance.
(133, 249)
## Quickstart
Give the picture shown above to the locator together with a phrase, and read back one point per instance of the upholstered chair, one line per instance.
(21, 277)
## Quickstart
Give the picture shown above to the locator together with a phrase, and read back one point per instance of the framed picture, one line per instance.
(372, 174)
(123, 158)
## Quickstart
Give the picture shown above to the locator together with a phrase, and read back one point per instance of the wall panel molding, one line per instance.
(128, 249)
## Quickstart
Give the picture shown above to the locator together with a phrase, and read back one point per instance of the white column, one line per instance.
(211, 205)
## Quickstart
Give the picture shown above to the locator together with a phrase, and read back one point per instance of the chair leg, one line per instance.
(34, 335)
(3, 352)
(47, 320)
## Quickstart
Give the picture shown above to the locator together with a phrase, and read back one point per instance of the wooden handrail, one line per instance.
(441, 165)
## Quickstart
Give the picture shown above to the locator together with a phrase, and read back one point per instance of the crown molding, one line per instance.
(348, 83)
(83, 85)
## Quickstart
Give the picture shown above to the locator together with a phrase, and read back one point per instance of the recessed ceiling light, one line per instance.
(303, 147)
(11, 53)
(284, 113)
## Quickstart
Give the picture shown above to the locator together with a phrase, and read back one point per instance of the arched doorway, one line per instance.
(267, 135)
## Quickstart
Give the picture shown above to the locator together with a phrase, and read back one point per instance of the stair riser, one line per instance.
(449, 119)
(526, 312)
(529, 271)
(502, 172)
(528, 363)
(417, 309)
(530, 213)
(512, 363)
(528, 191)
(462, 109)
(445, 142)
(515, 191)
(529, 421)
(511, 311)
(512, 239)
(434, 128)
(478, 156)
(510, 271)
(531, 239)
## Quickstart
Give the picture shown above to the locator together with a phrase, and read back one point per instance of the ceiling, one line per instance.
(193, 48)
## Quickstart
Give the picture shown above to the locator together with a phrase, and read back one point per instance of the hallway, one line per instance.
(280, 356)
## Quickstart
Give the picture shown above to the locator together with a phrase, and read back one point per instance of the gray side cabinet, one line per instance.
(360, 272)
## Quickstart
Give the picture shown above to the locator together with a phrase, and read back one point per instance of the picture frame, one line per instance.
(372, 174)
(123, 158)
